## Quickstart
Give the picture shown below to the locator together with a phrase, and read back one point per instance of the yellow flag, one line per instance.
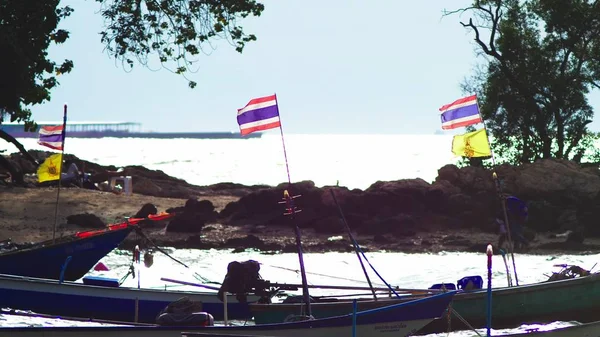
(50, 168)
(472, 144)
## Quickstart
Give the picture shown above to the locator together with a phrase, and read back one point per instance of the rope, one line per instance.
(196, 275)
(465, 322)
(130, 272)
(449, 317)
(373, 268)
(319, 274)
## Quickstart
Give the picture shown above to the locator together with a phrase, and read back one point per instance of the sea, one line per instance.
(354, 161)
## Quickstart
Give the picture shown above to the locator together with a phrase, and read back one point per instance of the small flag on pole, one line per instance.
(259, 114)
(462, 112)
(52, 137)
(472, 144)
(50, 168)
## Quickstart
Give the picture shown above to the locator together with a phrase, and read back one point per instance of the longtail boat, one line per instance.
(70, 257)
(107, 300)
(581, 330)
(400, 319)
(576, 299)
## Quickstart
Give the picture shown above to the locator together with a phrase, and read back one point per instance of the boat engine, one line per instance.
(568, 272)
(184, 312)
(242, 278)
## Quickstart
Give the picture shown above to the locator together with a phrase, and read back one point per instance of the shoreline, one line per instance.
(27, 215)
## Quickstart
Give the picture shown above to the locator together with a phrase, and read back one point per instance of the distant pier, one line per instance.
(117, 130)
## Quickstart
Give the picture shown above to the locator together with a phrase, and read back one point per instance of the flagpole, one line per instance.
(499, 191)
(287, 167)
(62, 152)
(292, 211)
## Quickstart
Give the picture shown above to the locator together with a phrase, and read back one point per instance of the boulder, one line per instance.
(86, 220)
(401, 225)
(553, 178)
(145, 186)
(192, 217)
(147, 209)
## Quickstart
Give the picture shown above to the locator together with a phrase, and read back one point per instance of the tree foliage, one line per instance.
(173, 30)
(542, 59)
(27, 29)
(135, 30)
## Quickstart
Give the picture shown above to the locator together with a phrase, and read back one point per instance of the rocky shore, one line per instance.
(453, 213)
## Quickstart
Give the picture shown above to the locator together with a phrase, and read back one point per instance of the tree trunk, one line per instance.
(17, 175)
(19, 146)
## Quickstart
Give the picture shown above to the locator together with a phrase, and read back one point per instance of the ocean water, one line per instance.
(355, 161)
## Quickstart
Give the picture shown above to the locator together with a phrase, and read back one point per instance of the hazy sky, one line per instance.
(337, 66)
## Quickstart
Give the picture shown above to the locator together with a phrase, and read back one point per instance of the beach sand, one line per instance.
(27, 214)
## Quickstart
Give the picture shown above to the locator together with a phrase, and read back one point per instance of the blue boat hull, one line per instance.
(106, 303)
(396, 320)
(46, 261)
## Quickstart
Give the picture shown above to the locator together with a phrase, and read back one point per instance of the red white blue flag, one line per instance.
(259, 114)
(462, 112)
(52, 137)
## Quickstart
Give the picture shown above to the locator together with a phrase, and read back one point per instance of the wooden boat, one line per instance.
(107, 331)
(400, 319)
(582, 330)
(69, 257)
(576, 299)
(110, 302)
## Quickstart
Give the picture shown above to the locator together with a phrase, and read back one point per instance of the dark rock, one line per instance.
(248, 242)
(529, 234)
(380, 238)
(194, 240)
(142, 185)
(144, 212)
(333, 246)
(576, 236)
(457, 240)
(85, 220)
(263, 206)
(476, 248)
(144, 181)
(192, 217)
(401, 225)
(329, 225)
(561, 196)
(238, 190)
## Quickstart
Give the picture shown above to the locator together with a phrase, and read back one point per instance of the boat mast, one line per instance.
(354, 243)
(291, 210)
(62, 155)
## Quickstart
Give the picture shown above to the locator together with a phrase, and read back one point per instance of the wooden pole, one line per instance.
(489, 253)
(62, 152)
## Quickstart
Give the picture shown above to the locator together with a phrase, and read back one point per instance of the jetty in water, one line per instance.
(117, 130)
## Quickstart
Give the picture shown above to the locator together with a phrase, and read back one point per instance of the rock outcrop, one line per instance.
(561, 196)
(144, 181)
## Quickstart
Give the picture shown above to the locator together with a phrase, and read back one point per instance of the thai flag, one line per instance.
(462, 112)
(52, 137)
(259, 114)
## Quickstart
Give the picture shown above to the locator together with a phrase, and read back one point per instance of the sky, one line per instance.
(337, 67)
